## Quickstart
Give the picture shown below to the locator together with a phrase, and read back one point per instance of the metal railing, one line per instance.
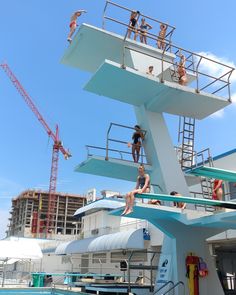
(194, 66)
(153, 21)
(109, 139)
(151, 266)
(175, 286)
(163, 286)
(194, 61)
(115, 153)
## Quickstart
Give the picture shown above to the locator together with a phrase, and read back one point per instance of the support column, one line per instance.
(160, 153)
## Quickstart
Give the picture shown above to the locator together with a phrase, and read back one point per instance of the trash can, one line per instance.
(38, 279)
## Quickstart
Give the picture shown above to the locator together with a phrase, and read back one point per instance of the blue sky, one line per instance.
(33, 40)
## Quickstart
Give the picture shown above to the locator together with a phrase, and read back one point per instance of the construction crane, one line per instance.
(57, 146)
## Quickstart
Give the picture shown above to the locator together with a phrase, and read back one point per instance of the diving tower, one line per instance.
(118, 68)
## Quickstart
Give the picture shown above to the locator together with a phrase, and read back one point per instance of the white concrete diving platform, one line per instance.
(119, 169)
(113, 168)
(92, 45)
(137, 88)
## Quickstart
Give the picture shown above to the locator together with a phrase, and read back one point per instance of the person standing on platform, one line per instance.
(161, 36)
(133, 22)
(142, 186)
(178, 204)
(73, 23)
(182, 71)
(143, 28)
(137, 137)
(217, 193)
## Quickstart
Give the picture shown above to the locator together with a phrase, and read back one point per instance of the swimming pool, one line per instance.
(37, 291)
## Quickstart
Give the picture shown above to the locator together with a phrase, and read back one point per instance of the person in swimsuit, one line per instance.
(178, 204)
(182, 71)
(142, 186)
(133, 24)
(143, 28)
(150, 71)
(217, 193)
(137, 137)
(73, 23)
(161, 36)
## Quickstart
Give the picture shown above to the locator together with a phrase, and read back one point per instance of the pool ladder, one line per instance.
(172, 288)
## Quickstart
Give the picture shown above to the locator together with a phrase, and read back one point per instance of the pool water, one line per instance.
(37, 291)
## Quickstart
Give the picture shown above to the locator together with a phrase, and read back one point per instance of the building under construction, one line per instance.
(29, 214)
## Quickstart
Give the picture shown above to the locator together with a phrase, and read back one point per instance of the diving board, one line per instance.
(182, 199)
(212, 172)
(137, 88)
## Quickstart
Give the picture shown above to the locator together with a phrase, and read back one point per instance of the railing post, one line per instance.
(197, 90)
(103, 17)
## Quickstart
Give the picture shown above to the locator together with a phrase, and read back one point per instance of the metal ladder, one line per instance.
(206, 183)
(186, 141)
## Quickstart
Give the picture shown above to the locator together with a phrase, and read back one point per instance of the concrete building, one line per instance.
(29, 213)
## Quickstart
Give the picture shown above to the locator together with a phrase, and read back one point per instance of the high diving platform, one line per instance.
(112, 168)
(137, 88)
(121, 64)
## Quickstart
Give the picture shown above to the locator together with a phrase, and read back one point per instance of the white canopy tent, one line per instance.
(19, 249)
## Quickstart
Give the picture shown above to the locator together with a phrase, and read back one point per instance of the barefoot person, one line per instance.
(73, 23)
(137, 137)
(182, 71)
(142, 186)
(217, 193)
(133, 22)
(161, 36)
(143, 28)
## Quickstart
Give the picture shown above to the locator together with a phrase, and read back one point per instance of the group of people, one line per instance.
(143, 185)
(142, 29)
(181, 71)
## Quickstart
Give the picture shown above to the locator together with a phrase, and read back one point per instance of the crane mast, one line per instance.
(57, 146)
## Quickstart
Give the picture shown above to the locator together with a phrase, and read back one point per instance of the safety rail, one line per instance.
(163, 286)
(175, 286)
(207, 208)
(196, 64)
(205, 158)
(121, 153)
(109, 139)
(110, 4)
(129, 266)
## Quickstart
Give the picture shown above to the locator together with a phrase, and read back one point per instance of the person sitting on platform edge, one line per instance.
(73, 23)
(137, 137)
(142, 186)
(178, 204)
